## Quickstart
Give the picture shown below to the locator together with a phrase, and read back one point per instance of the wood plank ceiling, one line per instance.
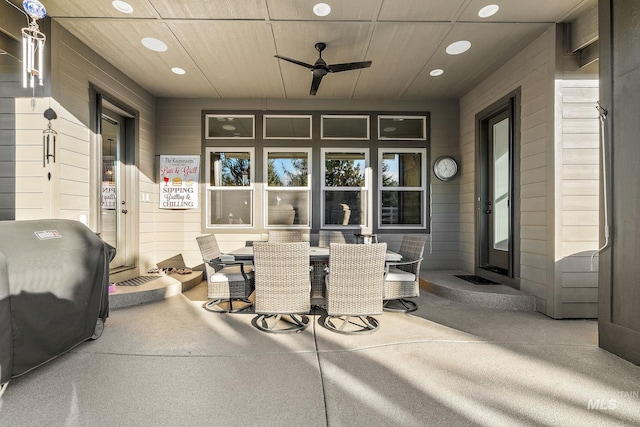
(227, 47)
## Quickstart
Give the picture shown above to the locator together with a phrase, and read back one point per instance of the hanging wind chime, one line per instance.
(49, 140)
(33, 44)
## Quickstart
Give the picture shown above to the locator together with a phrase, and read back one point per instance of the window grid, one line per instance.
(410, 189)
(339, 208)
(229, 205)
(283, 207)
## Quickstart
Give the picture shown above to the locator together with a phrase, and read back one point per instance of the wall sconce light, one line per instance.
(49, 139)
(32, 44)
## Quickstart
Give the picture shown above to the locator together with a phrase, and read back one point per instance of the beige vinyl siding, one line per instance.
(179, 131)
(7, 157)
(33, 190)
(73, 191)
(558, 203)
(577, 193)
(532, 70)
(76, 68)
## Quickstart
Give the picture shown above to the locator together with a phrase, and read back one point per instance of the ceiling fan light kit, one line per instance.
(320, 68)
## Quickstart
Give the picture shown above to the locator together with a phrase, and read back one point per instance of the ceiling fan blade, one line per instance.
(315, 83)
(336, 68)
(295, 61)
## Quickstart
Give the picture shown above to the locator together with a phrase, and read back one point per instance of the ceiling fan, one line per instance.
(320, 68)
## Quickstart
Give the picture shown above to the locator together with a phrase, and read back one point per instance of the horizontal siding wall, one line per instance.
(73, 191)
(76, 68)
(33, 190)
(179, 131)
(9, 76)
(532, 70)
(577, 194)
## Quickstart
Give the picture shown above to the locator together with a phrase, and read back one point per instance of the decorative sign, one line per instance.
(108, 184)
(179, 182)
(108, 195)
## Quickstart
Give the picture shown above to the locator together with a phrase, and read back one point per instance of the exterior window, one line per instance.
(229, 187)
(345, 196)
(224, 126)
(287, 187)
(287, 127)
(402, 127)
(402, 188)
(344, 127)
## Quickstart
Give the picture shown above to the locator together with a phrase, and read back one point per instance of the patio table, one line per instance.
(318, 257)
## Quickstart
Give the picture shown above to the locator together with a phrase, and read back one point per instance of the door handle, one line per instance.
(488, 211)
(124, 209)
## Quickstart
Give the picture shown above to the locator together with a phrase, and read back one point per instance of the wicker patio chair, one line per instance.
(325, 238)
(403, 277)
(228, 281)
(354, 287)
(283, 286)
(285, 236)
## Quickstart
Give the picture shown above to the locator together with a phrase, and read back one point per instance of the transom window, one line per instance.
(402, 188)
(229, 187)
(226, 126)
(345, 195)
(287, 177)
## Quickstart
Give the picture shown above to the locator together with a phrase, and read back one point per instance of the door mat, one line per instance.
(136, 281)
(476, 280)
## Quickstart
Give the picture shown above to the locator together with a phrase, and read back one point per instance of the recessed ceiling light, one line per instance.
(322, 9)
(458, 47)
(154, 44)
(488, 11)
(437, 72)
(389, 129)
(178, 70)
(228, 127)
(122, 6)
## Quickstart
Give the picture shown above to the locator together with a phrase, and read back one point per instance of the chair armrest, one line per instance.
(394, 263)
(219, 264)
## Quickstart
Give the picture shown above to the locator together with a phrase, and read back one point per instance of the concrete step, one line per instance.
(159, 288)
(445, 284)
(439, 282)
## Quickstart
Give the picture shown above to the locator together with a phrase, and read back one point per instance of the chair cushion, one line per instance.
(397, 275)
(231, 273)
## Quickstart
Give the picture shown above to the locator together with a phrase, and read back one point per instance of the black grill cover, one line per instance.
(53, 288)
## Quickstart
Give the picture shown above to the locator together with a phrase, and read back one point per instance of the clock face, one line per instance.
(445, 168)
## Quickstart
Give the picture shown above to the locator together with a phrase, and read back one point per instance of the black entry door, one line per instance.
(495, 187)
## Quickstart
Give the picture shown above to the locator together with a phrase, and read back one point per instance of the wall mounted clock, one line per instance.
(445, 168)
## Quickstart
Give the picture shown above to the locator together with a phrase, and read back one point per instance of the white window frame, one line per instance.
(422, 188)
(366, 199)
(265, 169)
(345, 116)
(227, 116)
(387, 138)
(265, 118)
(209, 188)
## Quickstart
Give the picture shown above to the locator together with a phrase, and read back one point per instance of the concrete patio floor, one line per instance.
(171, 363)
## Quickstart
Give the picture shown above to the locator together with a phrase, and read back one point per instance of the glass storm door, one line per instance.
(114, 209)
(499, 183)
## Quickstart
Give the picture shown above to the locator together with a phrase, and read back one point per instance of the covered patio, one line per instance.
(170, 362)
